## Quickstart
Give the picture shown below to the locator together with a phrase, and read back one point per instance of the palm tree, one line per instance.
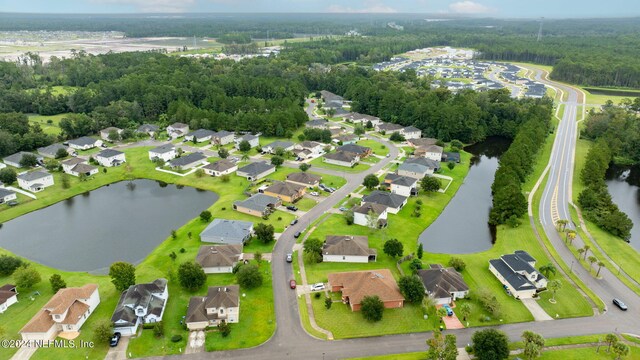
(465, 311)
(548, 269)
(600, 266)
(554, 285)
(621, 349)
(441, 312)
(592, 260)
(580, 252)
(245, 157)
(586, 251)
(610, 339)
(571, 235)
(562, 224)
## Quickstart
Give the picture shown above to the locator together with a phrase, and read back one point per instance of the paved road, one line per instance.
(493, 76)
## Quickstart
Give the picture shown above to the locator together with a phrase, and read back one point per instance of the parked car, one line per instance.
(297, 234)
(317, 287)
(294, 221)
(292, 208)
(342, 208)
(332, 189)
(289, 258)
(620, 304)
(12, 203)
(388, 155)
(115, 339)
(449, 311)
(292, 284)
(314, 193)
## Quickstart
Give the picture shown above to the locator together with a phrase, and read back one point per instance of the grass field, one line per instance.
(376, 147)
(52, 128)
(356, 169)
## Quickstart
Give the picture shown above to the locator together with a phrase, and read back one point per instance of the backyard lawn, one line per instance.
(376, 147)
(356, 169)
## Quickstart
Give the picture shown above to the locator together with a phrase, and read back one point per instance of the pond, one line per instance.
(463, 226)
(123, 221)
(624, 186)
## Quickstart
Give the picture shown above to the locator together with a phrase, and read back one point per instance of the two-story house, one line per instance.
(139, 304)
(222, 303)
(517, 273)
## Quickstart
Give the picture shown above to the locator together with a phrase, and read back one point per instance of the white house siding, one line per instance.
(435, 156)
(45, 181)
(412, 135)
(9, 197)
(75, 173)
(400, 190)
(339, 163)
(345, 258)
(522, 294)
(233, 315)
(415, 175)
(127, 330)
(164, 156)
(10, 301)
(201, 325)
(106, 162)
(220, 173)
(218, 270)
(361, 219)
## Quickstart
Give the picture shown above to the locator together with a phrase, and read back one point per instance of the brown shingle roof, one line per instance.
(41, 322)
(366, 207)
(75, 312)
(7, 292)
(64, 298)
(440, 282)
(217, 296)
(220, 165)
(347, 245)
(303, 178)
(422, 142)
(219, 255)
(284, 188)
(358, 284)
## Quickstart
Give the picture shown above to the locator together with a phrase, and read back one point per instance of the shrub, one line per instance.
(182, 250)
(457, 263)
(26, 277)
(372, 308)
(205, 216)
(317, 295)
(103, 331)
(176, 338)
(9, 264)
(158, 329)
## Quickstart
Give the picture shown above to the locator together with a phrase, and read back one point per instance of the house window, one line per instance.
(221, 311)
(344, 258)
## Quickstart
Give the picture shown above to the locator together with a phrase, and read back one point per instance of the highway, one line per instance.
(291, 341)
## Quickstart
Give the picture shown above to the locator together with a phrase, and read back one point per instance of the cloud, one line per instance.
(153, 6)
(468, 7)
(370, 6)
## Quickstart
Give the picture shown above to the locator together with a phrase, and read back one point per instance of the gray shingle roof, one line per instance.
(217, 297)
(303, 178)
(353, 148)
(281, 144)
(52, 149)
(17, 157)
(256, 168)
(385, 198)
(139, 295)
(187, 159)
(5, 192)
(220, 165)
(440, 282)
(257, 202)
(284, 188)
(218, 255)
(227, 229)
(200, 133)
(343, 156)
(33, 175)
(108, 153)
(163, 148)
(83, 141)
(516, 280)
(347, 245)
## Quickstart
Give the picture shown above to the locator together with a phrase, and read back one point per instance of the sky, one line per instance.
(485, 8)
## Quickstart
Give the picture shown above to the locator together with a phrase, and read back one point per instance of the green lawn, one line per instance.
(406, 356)
(305, 204)
(52, 128)
(585, 353)
(376, 147)
(356, 169)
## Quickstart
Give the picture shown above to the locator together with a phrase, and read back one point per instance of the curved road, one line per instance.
(291, 340)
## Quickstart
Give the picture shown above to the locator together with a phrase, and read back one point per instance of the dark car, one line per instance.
(297, 234)
(292, 284)
(115, 339)
(292, 208)
(294, 221)
(620, 304)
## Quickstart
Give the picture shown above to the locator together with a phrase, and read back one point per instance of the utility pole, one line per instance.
(540, 29)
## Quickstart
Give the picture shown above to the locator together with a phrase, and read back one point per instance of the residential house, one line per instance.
(140, 304)
(347, 139)
(370, 215)
(257, 205)
(200, 135)
(304, 179)
(51, 151)
(224, 231)
(315, 148)
(285, 191)
(84, 143)
(218, 259)
(444, 285)
(418, 167)
(15, 159)
(67, 310)
(188, 161)
(35, 181)
(8, 296)
(149, 129)
(404, 185)
(421, 142)
(222, 303)
(76, 166)
(220, 167)
(411, 132)
(362, 119)
(388, 128)
(222, 137)
(393, 202)
(356, 285)
(347, 248)
(451, 157)
(166, 152)
(517, 273)
(433, 152)
(361, 151)
(341, 158)
(253, 140)
(2, 165)
(335, 132)
(104, 133)
(256, 170)
(177, 130)
(110, 157)
(317, 124)
(7, 195)
(331, 100)
(271, 148)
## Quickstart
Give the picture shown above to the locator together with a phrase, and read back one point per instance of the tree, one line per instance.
(451, 165)
(600, 266)
(264, 233)
(571, 235)
(113, 136)
(52, 165)
(419, 252)
(456, 144)
(372, 308)
(465, 311)
(610, 340)
(158, 329)
(396, 137)
(205, 216)
(122, 275)
(223, 153)
(580, 252)
(9, 264)
(57, 283)
(8, 176)
(415, 265)
(257, 256)
(393, 248)
(249, 276)
(430, 184)
(103, 331)
(244, 146)
(191, 275)
(370, 181)
(554, 286)
(328, 303)
(359, 130)
(304, 167)
(548, 270)
(224, 328)
(442, 347)
(533, 344)
(489, 301)
(61, 153)
(26, 276)
(313, 250)
(277, 160)
(412, 288)
(620, 349)
(279, 151)
(490, 344)
(592, 260)
(199, 173)
(586, 251)
(28, 160)
(561, 224)
(441, 313)
(457, 263)
(369, 124)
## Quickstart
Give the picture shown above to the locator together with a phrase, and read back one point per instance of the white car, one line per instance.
(314, 193)
(317, 287)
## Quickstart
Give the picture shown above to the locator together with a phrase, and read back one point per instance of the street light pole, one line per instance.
(572, 261)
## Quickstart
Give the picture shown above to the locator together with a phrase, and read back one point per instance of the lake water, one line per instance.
(463, 226)
(124, 221)
(624, 186)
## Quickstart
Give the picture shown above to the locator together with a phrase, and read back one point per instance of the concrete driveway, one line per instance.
(538, 313)
(119, 352)
(195, 344)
